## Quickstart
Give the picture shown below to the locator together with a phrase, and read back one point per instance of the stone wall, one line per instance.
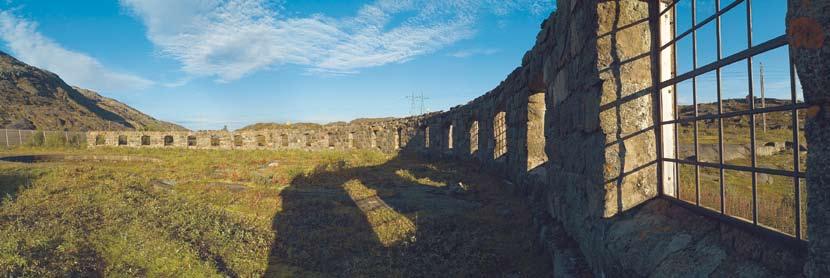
(808, 30)
(582, 146)
(387, 136)
(579, 140)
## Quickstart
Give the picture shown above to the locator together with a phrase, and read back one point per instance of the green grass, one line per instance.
(775, 196)
(300, 218)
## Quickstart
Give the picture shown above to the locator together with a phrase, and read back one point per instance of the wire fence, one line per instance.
(10, 138)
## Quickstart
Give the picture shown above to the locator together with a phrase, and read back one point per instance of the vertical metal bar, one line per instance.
(751, 100)
(694, 102)
(796, 149)
(720, 109)
(676, 108)
(654, 23)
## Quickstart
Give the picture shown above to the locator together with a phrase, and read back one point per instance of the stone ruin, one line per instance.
(573, 129)
(385, 135)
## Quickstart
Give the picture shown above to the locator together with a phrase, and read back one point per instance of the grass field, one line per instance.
(775, 194)
(199, 213)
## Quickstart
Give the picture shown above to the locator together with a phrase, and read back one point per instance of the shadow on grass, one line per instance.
(396, 219)
(12, 183)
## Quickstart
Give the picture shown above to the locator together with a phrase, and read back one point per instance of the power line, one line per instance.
(417, 106)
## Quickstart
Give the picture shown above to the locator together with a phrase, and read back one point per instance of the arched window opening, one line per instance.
(191, 140)
(284, 140)
(374, 139)
(308, 138)
(500, 134)
(536, 131)
(449, 137)
(145, 140)
(474, 137)
(168, 140)
(237, 140)
(100, 139)
(398, 138)
(426, 137)
(330, 139)
(122, 140)
(260, 140)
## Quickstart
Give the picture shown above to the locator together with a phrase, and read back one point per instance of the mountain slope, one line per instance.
(32, 98)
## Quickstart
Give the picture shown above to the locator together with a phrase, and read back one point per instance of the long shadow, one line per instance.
(11, 184)
(394, 219)
(321, 228)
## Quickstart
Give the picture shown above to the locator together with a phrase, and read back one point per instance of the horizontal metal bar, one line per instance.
(796, 245)
(782, 108)
(758, 49)
(776, 172)
(701, 24)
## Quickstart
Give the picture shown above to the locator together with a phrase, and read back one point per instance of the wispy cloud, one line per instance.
(30, 46)
(474, 52)
(229, 39)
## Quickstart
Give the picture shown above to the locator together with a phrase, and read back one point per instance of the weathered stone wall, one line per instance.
(582, 145)
(592, 169)
(387, 136)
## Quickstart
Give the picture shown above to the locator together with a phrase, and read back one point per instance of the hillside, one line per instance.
(32, 98)
(267, 126)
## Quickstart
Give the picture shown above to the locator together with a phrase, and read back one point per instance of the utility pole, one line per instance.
(412, 99)
(763, 100)
(417, 106)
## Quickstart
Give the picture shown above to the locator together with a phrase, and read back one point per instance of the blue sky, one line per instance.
(768, 19)
(209, 63)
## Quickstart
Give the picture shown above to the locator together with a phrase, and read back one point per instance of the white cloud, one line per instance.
(31, 47)
(474, 52)
(228, 39)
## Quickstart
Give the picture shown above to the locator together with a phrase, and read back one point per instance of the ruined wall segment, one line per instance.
(384, 135)
(573, 129)
(582, 145)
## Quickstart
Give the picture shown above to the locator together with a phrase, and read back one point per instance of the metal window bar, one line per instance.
(796, 150)
(702, 23)
(753, 144)
(794, 107)
(676, 96)
(694, 96)
(719, 45)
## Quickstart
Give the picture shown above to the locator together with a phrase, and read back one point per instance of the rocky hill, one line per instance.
(267, 126)
(33, 98)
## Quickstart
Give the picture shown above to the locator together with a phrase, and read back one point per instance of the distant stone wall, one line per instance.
(387, 136)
